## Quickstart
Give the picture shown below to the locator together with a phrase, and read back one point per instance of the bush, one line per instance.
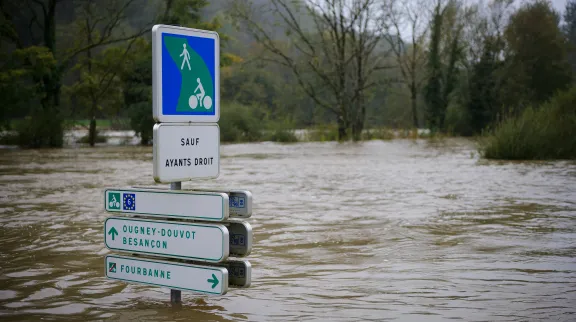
(545, 132)
(282, 135)
(378, 134)
(41, 129)
(86, 139)
(239, 123)
(141, 121)
(326, 132)
(9, 138)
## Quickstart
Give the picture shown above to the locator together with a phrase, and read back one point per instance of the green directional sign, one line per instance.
(205, 206)
(193, 241)
(186, 277)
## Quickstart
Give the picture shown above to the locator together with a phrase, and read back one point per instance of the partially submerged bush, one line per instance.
(538, 133)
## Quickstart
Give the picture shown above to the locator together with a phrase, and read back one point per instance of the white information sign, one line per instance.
(211, 206)
(184, 152)
(196, 278)
(203, 242)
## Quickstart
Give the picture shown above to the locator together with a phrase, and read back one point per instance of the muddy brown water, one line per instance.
(398, 230)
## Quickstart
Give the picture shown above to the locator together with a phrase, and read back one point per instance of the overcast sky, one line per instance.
(559, 5)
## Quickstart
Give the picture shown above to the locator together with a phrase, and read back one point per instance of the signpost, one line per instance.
(209, 206)
(194, 241)
(204, 279)
(183, 152)
(197, 233)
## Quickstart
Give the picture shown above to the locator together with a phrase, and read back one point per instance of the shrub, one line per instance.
(325, 132)
(377, 134)
(239, 123)
(41, 129)
(538, 133)
(141, 121)
(282, 135)
(86, 139)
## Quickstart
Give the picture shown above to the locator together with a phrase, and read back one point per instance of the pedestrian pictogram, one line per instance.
(111, 267)
(186, 59)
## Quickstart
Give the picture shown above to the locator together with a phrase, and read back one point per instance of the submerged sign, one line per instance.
(212, 206)
(196, 278)
(183, 152)
(240, 201)
(185, 74)
(204, 242)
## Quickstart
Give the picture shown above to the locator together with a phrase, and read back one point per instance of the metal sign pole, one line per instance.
(175, 295)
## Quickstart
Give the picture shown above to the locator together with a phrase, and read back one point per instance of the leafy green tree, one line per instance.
(484, 104)
(33, 23)
(21, 72)
(536, 58)
(137, 78)
(435, 107)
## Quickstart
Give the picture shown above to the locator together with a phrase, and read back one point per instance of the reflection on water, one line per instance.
(378, 230)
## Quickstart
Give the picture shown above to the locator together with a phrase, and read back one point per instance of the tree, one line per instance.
(411, 57)
(98, 89)
(444, 56)
(485, 60)
(433, 88)
(33, 22)
(136, 79)
(536, 56)
(333, 57)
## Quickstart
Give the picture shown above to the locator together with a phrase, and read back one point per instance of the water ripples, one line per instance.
(407, 230)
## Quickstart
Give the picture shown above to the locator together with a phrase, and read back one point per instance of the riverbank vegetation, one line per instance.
(356, 70)
(546, 131)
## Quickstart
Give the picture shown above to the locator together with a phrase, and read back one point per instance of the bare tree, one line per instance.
(408, 20)
(334, 57)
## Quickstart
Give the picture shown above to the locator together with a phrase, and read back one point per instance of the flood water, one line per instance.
(397, 230)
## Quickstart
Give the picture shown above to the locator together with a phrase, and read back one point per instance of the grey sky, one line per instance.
(559, 5)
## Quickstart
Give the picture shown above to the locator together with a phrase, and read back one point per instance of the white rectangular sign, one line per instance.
(211, 206)
(185, 74)
(196, 278)
(203, 242)
(184, 152)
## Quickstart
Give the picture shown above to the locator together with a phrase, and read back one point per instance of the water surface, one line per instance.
(398, 230)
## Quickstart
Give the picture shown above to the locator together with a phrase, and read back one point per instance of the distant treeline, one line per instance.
(451, 66)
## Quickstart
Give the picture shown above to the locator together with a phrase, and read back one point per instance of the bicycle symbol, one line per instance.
(114, 203)
(200, 98)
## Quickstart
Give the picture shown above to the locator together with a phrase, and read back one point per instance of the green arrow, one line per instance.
(112, 232)
(214, 281)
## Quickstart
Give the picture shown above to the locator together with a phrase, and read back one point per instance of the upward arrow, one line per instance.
(214, 281)
(113, 232)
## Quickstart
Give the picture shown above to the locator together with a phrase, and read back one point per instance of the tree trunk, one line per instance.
(414, 102)
(342, 128)
(358, 125)
(92, 132)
